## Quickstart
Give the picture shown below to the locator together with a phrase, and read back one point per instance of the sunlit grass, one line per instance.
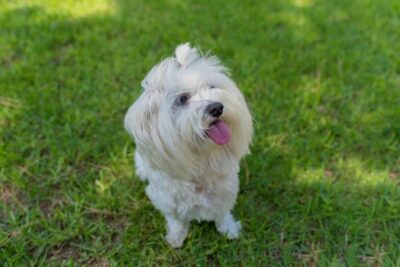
(71, 8)
(351, 172)
(303, 3)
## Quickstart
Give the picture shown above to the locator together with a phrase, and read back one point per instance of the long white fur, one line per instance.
(189, 177)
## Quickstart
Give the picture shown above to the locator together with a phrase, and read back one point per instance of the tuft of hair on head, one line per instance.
(185, 55)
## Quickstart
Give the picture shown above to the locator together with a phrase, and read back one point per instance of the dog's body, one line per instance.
(191, 126)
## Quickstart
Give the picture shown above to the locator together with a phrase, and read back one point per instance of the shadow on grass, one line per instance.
(320, 187)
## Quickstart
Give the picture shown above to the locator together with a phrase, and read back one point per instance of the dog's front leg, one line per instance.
(228, 226)
(177, 230)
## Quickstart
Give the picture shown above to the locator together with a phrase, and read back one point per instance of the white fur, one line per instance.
(189, 177)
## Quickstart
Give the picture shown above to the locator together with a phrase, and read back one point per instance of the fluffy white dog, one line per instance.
(191, 126)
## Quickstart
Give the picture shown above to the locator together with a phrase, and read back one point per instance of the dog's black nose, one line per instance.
(215, 109)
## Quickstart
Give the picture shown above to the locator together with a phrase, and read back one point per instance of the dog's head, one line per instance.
(188, 109)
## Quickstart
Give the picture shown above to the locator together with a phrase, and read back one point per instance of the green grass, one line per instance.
(322, 78)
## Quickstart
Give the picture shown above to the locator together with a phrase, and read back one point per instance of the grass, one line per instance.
(322, 78)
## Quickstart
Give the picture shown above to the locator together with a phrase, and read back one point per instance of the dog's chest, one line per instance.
(204, 198)
(200, 198)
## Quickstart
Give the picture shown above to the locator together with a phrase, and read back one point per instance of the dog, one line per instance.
(191, 126)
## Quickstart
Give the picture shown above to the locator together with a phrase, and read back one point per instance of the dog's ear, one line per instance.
(141, 117)
(158, 76)
(185, 55)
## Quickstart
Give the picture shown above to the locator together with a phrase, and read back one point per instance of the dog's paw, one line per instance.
(175, 240)
(230, 228)
(234, 231)
(177, 230)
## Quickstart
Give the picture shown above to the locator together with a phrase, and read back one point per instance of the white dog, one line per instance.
(191, 126)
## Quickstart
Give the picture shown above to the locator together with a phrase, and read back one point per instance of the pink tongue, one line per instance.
(219, 132)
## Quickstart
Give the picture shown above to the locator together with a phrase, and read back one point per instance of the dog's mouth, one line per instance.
(219, 132)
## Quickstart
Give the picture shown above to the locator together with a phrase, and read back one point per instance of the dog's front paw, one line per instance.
(231, 230)
(177, 230)
(229, 227)
(175, 240)
(234, 230)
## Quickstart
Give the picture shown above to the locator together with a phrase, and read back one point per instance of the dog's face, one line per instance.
(189, 105)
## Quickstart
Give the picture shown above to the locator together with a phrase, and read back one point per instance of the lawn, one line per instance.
(322, 78)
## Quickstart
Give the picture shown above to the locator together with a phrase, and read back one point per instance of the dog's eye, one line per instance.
(182, 99)
(212, 86)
